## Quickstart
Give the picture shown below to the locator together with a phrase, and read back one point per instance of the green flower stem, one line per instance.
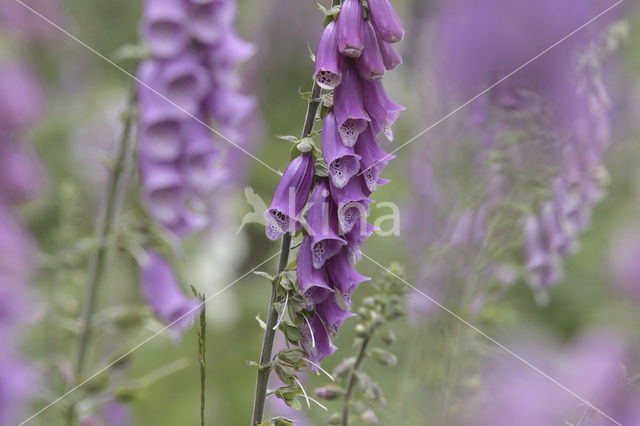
(113, 197)
(351, 382)
(264, 370)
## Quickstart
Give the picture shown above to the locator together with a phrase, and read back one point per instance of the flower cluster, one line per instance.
(189, 82)
(20, 180)
(530, 150)
(354, 52)
(594, 366)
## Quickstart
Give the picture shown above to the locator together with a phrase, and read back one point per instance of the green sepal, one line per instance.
(293, 334)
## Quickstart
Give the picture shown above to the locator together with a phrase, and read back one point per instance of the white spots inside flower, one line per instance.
(318, 254)
(328, 80)
(278, 223)
(349, 132)
(387, 130)
(342, 169)
(348, 215)
(162, 140)
(371, 179)
(325, 193)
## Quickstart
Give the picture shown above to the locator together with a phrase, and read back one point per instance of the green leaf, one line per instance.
(289, 138)
(264, 275)
(291, 333)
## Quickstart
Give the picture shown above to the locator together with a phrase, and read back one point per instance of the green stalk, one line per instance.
(264, 370)
(109, 211)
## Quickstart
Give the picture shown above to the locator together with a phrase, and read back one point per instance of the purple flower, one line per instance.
(316, 341)
(210, 20)
(162, 292)
(625, 263)
(332, 314)
(357, 236)
(348, 107)
(372, 158)
(16, 248)
(313, 282)
(351, 28)
(370, 63)
(190, 80)
(17, 383)
(21, 174)
(385, 21)
(542, 265)
(290, 197)
(22, 22)
(390, 56)
(164, 27)
(327, 71)
(353, 204)
(382, 110)
(343, 274)
(590, 366)
(343, 163)
(22, 101)
(322, 225)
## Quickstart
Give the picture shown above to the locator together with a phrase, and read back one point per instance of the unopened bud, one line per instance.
(384, 357)
(329, 392)
(387, 336)
(335, 420)
(361, 330)
(369, 418)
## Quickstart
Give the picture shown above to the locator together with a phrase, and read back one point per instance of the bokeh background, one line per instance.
(440, 361)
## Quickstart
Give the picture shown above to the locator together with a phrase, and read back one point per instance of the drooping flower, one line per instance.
(348, 107)
(342, 161)
(370, 63)
(351, 29)
(344, 275)
(290, 197)
(385, 21)
(313, 282)
(327, 71)
(322, 225)
(316, 341)
(161, 291)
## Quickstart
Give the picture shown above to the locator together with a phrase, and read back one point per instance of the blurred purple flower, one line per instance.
(161, 290)
(23, 23)
(17, 383)
(190, 79)
(624, 261)
(22, 99)
(591, 366)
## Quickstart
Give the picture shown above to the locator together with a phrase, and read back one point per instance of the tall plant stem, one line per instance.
(109, 210)
(351, 382)
(264, 369)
